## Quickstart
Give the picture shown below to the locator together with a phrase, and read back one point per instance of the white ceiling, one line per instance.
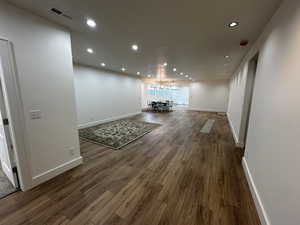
(190, 35)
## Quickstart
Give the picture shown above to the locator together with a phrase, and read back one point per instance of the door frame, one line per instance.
(248, 98)
(8, 161)
(16, 115)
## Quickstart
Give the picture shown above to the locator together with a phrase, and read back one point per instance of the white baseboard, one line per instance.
(236, 140)
(94, 123)
(206, 110)
(264, 219)
(41, 178)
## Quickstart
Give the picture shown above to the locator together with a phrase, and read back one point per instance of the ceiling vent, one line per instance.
(56, 11)
(60, 13)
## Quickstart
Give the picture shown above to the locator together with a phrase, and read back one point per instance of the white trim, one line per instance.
(94, 123)
(236, 140)
(41, 178)
(264, 218)
(206, 110)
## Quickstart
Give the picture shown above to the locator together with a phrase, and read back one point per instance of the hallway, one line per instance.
(174, 175)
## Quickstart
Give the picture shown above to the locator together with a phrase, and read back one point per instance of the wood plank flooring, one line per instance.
(174, 175)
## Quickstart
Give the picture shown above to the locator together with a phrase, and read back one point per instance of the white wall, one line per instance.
(45, 71)
(209, 96)
(103, 96)
(272, 150)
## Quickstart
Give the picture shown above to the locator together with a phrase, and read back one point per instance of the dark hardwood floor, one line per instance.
(174, 175)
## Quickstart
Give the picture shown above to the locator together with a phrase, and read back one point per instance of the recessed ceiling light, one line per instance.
(91, 23)
(181, 74)
(138, 73)
(174, 69)
(135, 47)
(186, 75)
(123, 69)
(103, 64)
(165, 64)
(149, 75)
(190, 78)
(89, 50)
(227, 56)
(233, 24)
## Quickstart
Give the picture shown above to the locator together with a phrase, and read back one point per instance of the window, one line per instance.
(178, 94)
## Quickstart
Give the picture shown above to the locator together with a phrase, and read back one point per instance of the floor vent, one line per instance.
(207, 126)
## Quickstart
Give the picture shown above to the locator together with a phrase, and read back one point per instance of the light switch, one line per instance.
(35, 114)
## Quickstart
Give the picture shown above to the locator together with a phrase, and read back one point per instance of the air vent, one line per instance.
(60, 13)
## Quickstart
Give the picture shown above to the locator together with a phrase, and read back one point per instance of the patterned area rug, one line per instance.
(118, 133)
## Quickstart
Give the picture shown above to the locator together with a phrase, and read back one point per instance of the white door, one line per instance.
(6, 151)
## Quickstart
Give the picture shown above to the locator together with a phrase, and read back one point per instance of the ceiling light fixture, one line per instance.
(123, 69)
(89, 50)
(103, 64)
(165, 64)
(91, 23)
(135, 47)
(227, 56)
(138, 73)
(181, 74)
(149, 75)
(174, 69)
(186, 75)
(233, 24)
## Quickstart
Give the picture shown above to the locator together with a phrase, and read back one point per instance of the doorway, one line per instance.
(250, 83)
(9, 179)
(9, 182)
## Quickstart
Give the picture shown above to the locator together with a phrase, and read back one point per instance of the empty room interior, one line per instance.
(150, 112)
